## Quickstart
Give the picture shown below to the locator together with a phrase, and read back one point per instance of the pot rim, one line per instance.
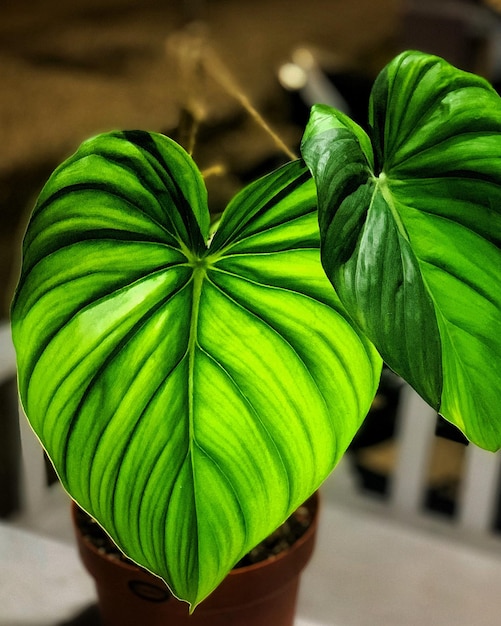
(314, 500)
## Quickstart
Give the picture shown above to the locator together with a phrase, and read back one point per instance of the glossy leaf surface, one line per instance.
(191, 396)
(410, 220)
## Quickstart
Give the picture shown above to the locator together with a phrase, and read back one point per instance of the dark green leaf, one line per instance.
(411, 229)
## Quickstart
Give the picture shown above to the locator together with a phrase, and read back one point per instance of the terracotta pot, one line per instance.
(262, 594)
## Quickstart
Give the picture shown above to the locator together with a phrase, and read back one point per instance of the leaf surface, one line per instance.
(410, 220)
(190, 396)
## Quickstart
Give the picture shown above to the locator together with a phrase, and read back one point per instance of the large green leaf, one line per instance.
(410, 220)
(189, 395)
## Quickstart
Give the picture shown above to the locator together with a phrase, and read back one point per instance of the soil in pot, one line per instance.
(260, 591)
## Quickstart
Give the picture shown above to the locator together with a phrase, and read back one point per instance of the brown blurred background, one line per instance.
(70, 70)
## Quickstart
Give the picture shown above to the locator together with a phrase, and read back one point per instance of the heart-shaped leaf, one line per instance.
(190, 396)
(410, 220)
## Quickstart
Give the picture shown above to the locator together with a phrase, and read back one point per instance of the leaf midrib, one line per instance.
(200, 266)
(382, 185)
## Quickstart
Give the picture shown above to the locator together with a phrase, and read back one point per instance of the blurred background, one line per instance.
(71, 70)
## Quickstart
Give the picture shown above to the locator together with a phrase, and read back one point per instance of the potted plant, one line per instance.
(193, 386)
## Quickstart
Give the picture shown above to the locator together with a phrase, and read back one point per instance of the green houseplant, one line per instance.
(193, 387)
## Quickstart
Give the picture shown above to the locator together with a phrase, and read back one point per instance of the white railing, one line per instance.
(33, 485)
(7, 356)
(479, 490)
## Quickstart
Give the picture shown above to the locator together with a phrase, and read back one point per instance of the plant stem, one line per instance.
(196, 57)
(218, 71)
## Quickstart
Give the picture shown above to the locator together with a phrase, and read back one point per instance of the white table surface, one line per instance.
(372, 571)
(42, 581)
(366, 571)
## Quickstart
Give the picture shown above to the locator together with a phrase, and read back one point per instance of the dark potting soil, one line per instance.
(281, 539)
